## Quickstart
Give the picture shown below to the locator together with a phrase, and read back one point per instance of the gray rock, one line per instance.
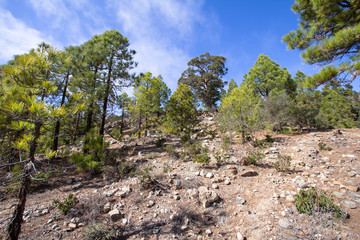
(111, 192)
(107, 207)
(338, 194)
(207, 197)
(354, 194)
(240, 200)
(208, 232)
(150, 204)
(349, 204)
(115, 215)
(290, 198)
(302, 184)
(78, 185)
(284, 223)
(209, 175)
(239, 236)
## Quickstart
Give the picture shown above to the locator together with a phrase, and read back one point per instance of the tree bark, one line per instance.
(57, 127)
(106, 98)
(14, 227)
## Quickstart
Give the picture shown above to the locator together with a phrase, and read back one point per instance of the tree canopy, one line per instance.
(329, 32)
(204, 76)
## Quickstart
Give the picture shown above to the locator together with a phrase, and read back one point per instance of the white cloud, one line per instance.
(156, 30)
(16, 36)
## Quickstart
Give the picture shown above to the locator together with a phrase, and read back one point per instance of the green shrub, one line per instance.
(285, 130)
(145, 174)
(226, 143)
(115, 133)
(170, 148)
(269, 139)
(127, 169)
(254, 157)
(167, 168)
(69, 202)
(323, 146)
(185, 138)
(160, 142)
(283, 164)
(202, 158)
(312, 201)
(95, 155)
(98, 232)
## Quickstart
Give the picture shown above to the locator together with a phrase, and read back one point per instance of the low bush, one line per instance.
(98, 232)
(254, 157)
(69, 202)
(312, 201)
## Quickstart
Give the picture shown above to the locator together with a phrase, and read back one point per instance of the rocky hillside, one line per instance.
(152, 194)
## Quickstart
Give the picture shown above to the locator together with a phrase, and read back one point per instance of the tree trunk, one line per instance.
(57, 127)
(76, 127)
(106, 98)
(88, 126)
(122, 121)
(14, 228)
(139, 126)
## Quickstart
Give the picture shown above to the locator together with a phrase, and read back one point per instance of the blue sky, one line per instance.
(166, 34)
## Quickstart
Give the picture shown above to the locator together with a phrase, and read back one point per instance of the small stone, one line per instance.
(78, 185)
(69, 180)
(349, 204)
(338, 194)
(72, 225)
(354, 194)
(240, 200)
(290, 198)
(125, 221)
(151, 204)
(55, 226)
(215, 186)
(239, 236)
(249, 174)
(284, 223)
(177, 197)
(208, 232)
(50, 220)
(209, 175)
(227, 182)
(111, 192)
(107, 207)
(302, 184)
(115, 215)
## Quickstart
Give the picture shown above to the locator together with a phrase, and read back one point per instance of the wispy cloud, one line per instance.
(156, 29)
(16, 36)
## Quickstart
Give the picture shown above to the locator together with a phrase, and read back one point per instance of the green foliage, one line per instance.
(328, 31)
(170, 149)
(145, 175)
(160, 142)
(202, 158)
(98, 232)
(127, 168)
(254, 156)
(226, 142)
(204, 77)
(151, 94)
(96, 156)
(276, 110)
(312, 201)
(240, 112)
(322, 146)
(269, 139)
(266, 76)
(69, 202)
(283, 164)
(181, 114)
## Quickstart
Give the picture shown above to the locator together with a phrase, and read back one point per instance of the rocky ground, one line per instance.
(176, 199)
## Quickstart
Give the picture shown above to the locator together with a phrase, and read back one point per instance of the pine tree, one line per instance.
(328, 32)
(26, 85)
(181, 114)
(266, 76)
(204, 77)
